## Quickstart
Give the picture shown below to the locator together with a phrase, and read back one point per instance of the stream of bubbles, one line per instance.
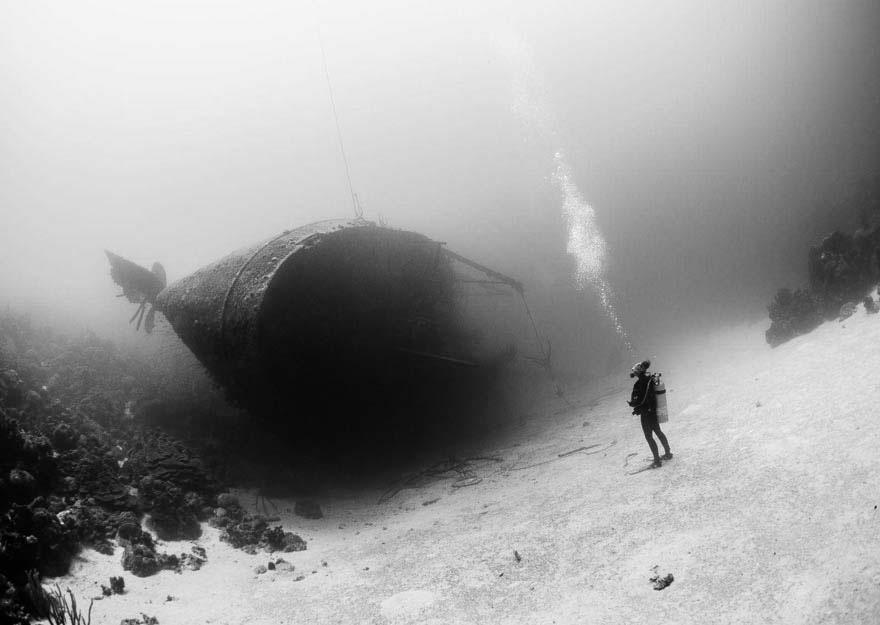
(585, 245)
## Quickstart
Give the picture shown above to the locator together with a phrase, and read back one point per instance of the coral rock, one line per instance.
(292, 542)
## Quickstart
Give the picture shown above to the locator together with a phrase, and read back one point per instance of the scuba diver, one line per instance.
(644, 403)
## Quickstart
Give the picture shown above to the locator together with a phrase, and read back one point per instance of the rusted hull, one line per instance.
(332, 305)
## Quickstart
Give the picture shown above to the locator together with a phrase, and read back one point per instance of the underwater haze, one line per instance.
(643, 169)
(425, 415)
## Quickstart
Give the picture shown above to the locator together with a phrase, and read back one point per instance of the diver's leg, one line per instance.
(663, 440)
(646, 429)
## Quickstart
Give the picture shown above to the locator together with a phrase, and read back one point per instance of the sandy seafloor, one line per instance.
(767, 514)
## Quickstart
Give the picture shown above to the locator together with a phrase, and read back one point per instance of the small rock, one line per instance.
(260, 569)
(193, 560)
(662, 582)
(117, 585)
(517, 556)
(271, 566)
(144, 620)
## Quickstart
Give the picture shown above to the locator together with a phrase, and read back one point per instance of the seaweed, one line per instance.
(54, 606)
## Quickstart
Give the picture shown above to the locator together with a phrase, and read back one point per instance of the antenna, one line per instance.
(358, 213)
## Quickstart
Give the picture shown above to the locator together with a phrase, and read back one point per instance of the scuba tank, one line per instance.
(660, 392)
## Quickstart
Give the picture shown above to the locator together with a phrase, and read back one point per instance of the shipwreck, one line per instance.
(332, 318)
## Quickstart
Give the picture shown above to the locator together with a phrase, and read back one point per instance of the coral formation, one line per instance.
(792, 313)
(78, 467)
(251, 532)
(842, 270)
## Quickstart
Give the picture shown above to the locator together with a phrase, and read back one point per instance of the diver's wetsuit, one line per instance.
(644, 403)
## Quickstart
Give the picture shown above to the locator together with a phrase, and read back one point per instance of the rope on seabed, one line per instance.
(462, 467)
(466, 474)
(604, 447)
